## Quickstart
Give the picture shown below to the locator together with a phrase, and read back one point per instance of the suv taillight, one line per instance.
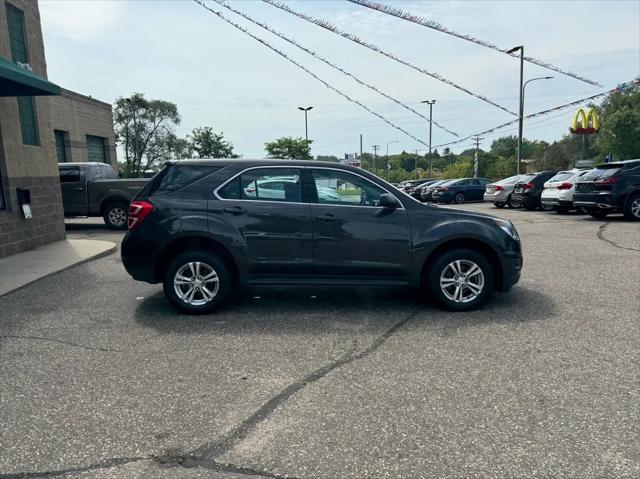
(565, 186)
(529, 186)
(138, 211)
(607, 181)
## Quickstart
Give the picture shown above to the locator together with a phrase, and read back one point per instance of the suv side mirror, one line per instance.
(389, 201)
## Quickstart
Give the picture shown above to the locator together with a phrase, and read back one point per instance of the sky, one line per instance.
(175, 50)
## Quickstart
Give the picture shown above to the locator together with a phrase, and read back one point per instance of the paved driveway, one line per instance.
(100, 378)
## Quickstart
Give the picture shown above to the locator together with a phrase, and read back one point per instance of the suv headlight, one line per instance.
(507, 227)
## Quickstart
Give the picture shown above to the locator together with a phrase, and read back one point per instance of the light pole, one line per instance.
(430, 103)
(520, 90)
(306, 128)
(388, 143)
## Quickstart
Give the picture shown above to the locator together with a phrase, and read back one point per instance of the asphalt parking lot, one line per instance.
(100, 378)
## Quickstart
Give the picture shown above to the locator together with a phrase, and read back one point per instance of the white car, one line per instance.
(558, 191)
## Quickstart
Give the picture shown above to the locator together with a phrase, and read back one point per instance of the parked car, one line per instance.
(426, 192)
(611, 188)
(407, 185)
(416, 191)
(528, 190)
(459, 191)
(93, 189)
(194, 228)
(558, 191)
(499, 193)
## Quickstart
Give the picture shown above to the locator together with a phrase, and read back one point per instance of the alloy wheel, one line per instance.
(117, 216)
(462, 281)
(196, 283)
(635, 207)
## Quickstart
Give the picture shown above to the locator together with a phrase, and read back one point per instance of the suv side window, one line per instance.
(343, 188)
(69, 175)
(264, 184)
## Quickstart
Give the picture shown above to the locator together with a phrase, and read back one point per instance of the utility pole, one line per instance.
(430, 103)
(360, 149)
(521, 110)
(476, 159)
(375, 155)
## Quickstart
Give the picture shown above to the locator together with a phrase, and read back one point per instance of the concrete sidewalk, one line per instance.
(24, 268)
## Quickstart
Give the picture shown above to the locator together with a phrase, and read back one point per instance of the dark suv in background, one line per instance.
(203, 227)
(610, 188)
(528, 190)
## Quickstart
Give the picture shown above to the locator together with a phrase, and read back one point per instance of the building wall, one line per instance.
(78, 116)
(27, 166)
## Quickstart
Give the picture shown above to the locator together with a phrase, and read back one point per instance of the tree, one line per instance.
(619, 116)
(209, 144)
(145, 131)
(289, 148)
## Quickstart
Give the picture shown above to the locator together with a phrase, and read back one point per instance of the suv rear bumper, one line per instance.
(605, 201)
(556, 202)
(138, 258)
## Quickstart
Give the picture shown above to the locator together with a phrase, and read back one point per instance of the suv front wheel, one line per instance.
(197, 282)
(461, 279)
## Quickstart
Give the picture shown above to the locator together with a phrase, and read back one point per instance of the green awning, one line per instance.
(18, 81)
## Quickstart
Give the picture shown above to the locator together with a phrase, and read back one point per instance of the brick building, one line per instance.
(40, 125)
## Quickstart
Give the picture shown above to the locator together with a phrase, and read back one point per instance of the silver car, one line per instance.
(499, 193)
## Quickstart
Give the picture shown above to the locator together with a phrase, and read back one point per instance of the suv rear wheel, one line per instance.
(632, 208)
(197, 282)
(461, 279)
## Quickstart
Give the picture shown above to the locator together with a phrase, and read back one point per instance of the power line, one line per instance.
(332, 28)
(620, 87)
(314, 54)
(399, 13)
(283, 55)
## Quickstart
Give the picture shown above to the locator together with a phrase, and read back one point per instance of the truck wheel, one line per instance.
(197, 282)
(461, 279)
(632, 208)
(116, 214)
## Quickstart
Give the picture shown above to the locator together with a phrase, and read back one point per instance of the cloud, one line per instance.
(81, 20)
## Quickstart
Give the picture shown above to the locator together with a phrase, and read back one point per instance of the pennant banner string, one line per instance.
(399, 13)
(314, 54)
(332, 28)
(619, 88)
(283, 55)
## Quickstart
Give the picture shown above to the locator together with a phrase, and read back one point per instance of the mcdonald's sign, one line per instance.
(585, 122)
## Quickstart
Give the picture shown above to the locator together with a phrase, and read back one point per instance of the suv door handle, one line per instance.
(235, 210)
(328, 217)
(79, 188)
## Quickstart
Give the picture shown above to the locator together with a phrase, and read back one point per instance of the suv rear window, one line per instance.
(173, 177)
(563, 175)
(603, 171)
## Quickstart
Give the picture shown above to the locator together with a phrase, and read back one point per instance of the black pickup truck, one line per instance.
(93, 189)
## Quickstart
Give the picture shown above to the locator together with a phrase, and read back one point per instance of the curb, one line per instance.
(100, 255)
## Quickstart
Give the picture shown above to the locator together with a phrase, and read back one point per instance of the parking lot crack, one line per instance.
(59, 341)
(601, 236)
(107, 464)
(205, 455)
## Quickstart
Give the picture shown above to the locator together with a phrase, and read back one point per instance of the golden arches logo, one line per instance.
(585, 122)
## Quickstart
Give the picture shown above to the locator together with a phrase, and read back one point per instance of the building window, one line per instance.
(61, 145)
(28, 120)
(96, 149)
(17, 34)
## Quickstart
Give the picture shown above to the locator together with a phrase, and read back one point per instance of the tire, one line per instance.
(546, 207)
(196, 266)
(632, 207)
(597, 213)
(509, 203)
(459, 198)
(562, 209)
(116, 214)
(499, 205)
(444, 270)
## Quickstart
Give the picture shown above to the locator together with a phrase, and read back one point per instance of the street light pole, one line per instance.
(388, 143)
(430, 103)
(521, 109)
(306, 128)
